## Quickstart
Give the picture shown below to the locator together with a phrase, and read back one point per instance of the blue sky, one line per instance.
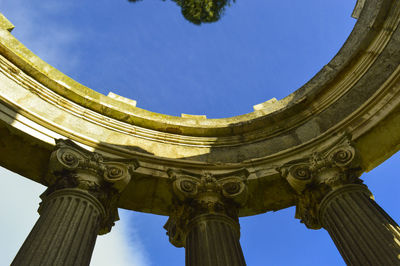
(146, 51)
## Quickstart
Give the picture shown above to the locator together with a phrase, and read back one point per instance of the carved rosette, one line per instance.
(314, 177)
(203, 194)
(74, 167)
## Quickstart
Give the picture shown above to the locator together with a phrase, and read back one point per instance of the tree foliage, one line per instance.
(201, 11)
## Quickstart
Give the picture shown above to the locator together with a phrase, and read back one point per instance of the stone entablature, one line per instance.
(308, 114)
(357, 93)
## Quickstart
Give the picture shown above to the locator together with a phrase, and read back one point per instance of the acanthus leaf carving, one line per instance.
(329, 167)
(203, 193)
(315, 176)
(71, 166)
(188, 185)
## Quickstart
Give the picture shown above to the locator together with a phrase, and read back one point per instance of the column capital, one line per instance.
(217, 195)
(71, 166)
(313, 177)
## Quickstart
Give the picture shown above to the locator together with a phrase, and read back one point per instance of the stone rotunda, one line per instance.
(98, 153)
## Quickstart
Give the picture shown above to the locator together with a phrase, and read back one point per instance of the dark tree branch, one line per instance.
(201, 11)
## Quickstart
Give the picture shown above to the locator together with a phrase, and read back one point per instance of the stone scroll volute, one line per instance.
(314, 176)
(71, 166)
(203, 193)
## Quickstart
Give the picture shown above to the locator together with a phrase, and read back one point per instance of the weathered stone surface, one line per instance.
(293, 151)
(356, 93)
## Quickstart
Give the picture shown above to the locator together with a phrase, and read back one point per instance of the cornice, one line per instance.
(349, 98)
(323, 90)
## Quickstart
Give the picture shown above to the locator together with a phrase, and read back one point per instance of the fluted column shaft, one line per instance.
(205, 221)
(213, 240)
(65, 233)
(362, 231)
(80, 203)
(331, 195)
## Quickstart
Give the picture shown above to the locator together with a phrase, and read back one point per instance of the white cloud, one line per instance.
(130, 252)
(20, 196)
(19, 202)
(50, 40)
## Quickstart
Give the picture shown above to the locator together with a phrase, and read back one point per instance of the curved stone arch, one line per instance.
(354, 95)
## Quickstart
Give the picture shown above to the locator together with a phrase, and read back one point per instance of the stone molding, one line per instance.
(357, 92)
(82, 95)
(207, 195)
(315, 176)
(345, 69)
(71, 166)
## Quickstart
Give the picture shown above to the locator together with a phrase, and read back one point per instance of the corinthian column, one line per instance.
(206, 222)
(331, 196)
(79, 204)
